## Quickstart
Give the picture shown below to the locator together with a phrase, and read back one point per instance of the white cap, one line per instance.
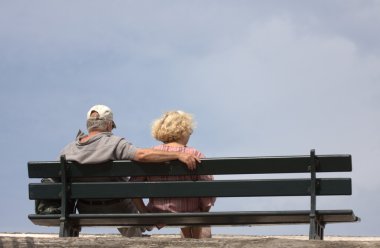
(104, 112)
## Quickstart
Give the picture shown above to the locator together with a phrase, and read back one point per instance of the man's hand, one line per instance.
(190, 160)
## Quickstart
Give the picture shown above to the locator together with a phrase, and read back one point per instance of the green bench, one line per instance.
(310, 186)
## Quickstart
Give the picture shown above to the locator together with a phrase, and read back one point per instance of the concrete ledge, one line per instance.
(52, 240)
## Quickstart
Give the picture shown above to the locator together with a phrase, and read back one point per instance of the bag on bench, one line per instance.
(47, 206)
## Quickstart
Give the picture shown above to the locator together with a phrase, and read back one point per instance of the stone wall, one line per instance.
(50, 240)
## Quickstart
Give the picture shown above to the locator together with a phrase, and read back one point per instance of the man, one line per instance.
(100, 145)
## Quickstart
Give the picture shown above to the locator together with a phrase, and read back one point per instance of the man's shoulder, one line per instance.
(68, 148)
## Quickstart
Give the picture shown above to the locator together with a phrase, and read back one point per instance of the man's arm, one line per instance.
(152, 155)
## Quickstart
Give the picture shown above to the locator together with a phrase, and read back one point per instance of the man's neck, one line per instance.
(89, 135)
(93, 133)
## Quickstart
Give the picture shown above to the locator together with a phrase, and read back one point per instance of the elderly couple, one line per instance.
(173, 129)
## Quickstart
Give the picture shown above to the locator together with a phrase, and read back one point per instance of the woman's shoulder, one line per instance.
(194, 151)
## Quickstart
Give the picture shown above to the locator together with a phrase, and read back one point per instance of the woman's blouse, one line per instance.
(196, 204)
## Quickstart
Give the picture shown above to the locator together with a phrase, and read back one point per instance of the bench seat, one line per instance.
(211, 218)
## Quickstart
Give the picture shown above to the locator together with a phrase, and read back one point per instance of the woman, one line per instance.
(174, 129)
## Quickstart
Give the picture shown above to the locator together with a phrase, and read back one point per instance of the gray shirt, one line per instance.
(100, 148)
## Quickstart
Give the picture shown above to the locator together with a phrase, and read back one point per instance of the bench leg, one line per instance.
(316, 230)
(68, 230)
(64, 228)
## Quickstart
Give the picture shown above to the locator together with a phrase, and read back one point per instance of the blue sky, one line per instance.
(261, 78)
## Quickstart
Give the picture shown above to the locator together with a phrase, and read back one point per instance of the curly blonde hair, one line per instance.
(173, 126)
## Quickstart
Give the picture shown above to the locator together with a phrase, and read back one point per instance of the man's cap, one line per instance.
(105, 113)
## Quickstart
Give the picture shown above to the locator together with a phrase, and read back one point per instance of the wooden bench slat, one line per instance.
(211, 218)
(212, 166)
(219, 188)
